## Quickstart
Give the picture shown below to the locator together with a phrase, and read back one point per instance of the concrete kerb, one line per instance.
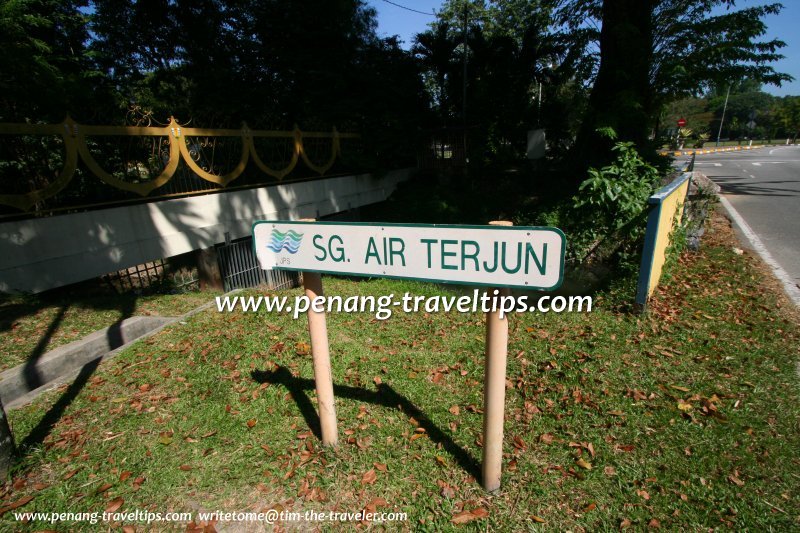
(701, 151)
(62, 365)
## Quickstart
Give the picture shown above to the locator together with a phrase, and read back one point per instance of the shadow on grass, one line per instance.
(385, 396)
(115, 339)
(32, 378)
(54, 414)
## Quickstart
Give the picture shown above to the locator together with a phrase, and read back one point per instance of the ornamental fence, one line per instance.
(50, 168)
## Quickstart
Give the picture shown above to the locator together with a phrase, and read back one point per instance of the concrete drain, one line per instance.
(21, 384)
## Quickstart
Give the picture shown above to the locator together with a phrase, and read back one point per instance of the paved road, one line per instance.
(763, 186)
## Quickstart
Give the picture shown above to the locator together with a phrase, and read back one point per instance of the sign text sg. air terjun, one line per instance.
(498, 256)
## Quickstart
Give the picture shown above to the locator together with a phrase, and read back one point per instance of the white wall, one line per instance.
(40, 254)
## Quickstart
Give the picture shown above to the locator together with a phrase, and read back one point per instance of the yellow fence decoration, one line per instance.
(178, 147)
(666, 211)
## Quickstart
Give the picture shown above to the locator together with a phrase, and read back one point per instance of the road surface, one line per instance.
(763, 187)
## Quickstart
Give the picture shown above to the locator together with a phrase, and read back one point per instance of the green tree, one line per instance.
(654, 51)
(515, 54)
(45, 68)
(270, 63)
(788, 116)
(434, 49)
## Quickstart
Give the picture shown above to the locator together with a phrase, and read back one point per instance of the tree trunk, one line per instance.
(621, 97)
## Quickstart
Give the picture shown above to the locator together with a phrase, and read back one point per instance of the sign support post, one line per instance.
(494, 393)
(494, 388)
(497, 256)
(320, 352)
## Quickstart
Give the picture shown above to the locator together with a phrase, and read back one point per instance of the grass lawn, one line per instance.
(32, 325)
(686, 418)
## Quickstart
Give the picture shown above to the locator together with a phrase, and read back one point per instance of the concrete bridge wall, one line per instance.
(44, 253)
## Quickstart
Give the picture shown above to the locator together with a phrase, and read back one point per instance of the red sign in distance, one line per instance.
(681, 122)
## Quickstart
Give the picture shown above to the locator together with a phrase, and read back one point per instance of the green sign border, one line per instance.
(396, 225)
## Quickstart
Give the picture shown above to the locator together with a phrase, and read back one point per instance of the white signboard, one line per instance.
(498, 256)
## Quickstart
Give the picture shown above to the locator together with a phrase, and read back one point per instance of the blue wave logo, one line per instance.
(289, 241)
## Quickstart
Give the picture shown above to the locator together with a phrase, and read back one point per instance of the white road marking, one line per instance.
(756, 164)
(762, 161)
(752, 176)
(786, 280)
(781, 148)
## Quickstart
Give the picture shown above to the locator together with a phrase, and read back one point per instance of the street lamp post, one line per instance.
(722, 120)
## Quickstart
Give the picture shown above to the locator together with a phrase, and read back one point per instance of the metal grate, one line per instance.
(240, 269)
(175, 273)
(139, 277)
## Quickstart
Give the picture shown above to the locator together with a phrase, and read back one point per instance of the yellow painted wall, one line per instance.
(671, 211)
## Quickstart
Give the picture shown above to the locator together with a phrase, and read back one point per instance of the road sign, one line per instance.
(681, 122)
(497, 256)
(751, 124)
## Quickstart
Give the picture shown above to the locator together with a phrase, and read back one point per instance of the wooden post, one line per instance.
(318, 331)
(494, 388)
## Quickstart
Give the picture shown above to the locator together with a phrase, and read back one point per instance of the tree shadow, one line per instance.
(54, 414)
(385, 396)
(115, 339)
(32, 378)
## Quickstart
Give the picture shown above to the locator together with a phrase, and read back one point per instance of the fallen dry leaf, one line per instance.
(735, 480)
(302, 348)
(369, 477)
(17, 504)
(114, 505)
(466, 516)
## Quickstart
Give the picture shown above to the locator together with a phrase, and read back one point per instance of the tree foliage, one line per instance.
(45, 67)
(569, 66)
(516, 58)
(750, 114)
(655, 51)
